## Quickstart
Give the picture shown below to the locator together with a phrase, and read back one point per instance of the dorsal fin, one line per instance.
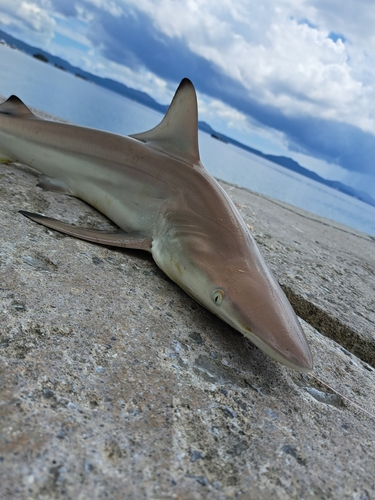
(177, 133)
(15, 107)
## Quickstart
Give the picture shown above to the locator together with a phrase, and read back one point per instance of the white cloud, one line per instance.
(354, 18)
(30, 15)
(212, 108)
(282, 61)
(33, 15)
(115, 8)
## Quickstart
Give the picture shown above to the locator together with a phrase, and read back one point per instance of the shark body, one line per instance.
(154, 187)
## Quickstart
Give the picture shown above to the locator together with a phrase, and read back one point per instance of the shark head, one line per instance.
(227, 275)
(245, 294)
(205, 247)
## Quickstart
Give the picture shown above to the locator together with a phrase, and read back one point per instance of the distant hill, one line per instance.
(295, 167)
(61, 64)
(146, 100)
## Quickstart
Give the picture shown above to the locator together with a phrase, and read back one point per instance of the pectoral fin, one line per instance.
(116, 239)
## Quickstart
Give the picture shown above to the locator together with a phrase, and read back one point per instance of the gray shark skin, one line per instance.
(153, 186)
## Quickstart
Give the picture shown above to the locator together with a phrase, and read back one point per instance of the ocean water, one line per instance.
(59, 93)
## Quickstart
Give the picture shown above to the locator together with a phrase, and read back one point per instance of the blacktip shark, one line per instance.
(153, 186)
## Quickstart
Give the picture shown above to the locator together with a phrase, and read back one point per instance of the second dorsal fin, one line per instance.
(177, 133)
(15, 107)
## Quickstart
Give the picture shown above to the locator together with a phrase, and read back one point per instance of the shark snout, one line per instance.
(301, 360)
(274, 327)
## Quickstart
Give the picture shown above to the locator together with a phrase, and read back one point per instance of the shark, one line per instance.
(154, 188)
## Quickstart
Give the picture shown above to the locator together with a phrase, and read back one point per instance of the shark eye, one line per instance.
(218, 296)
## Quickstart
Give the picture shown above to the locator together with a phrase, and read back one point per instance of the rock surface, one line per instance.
(115, 384)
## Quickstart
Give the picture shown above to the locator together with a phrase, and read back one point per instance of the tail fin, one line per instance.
(15, 107)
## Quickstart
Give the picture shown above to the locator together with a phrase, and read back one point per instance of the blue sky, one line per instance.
(292, 77)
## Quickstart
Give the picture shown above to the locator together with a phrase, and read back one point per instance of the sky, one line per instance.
(289, 77)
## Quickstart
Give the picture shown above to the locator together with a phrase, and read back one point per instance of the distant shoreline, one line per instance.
(146, 100)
